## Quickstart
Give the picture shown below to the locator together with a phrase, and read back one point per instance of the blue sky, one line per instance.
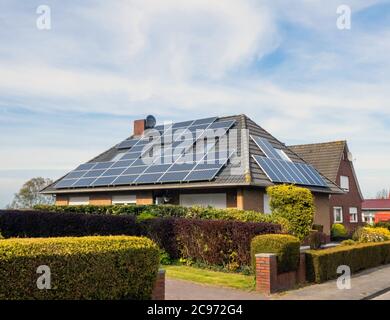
(68, 93)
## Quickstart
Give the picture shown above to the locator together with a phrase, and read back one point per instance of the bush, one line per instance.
(16, 223)
(338, 232)
(286, 247)
(216, 242)
(382, 224)
(294, 204)
(321, 265)
(348, 242)
(369, 234)
(117, 267)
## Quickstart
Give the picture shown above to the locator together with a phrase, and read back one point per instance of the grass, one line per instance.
(204, 276)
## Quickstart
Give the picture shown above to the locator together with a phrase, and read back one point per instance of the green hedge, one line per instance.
(286, 247)
(296, 205)
(118, 267)
(169, 211)
(321, 265)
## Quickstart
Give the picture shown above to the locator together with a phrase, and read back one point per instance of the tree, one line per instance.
(29, 196)
(383, 194)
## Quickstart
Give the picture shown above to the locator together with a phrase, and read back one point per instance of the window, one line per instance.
(353, 214)
(78, 201)
(267, 208)
(344, 183)
(283, 155)
(216, 200)
(124, 199)
(338, 214)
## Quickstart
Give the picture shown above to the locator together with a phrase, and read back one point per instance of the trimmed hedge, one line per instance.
(221, 242)
(296, 205)
(286, 247)
(15, 223)
(116, 267)
(321, 265)
(195, 212)
(216, 242)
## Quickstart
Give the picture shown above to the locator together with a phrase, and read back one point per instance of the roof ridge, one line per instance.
(319, 143)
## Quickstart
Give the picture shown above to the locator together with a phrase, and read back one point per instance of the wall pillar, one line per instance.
(159, 286)
(62, 200)
(144, 197)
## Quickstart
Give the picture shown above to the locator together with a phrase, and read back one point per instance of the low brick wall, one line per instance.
(268, 280)
(159, 286)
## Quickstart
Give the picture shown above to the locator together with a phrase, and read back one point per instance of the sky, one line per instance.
(70, 92)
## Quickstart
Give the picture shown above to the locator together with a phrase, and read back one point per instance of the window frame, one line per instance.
(341, 215)
(355, 214)
(344, 179)
(133, 200)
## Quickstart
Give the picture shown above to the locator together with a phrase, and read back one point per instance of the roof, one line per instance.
(251, 175)
(376, 204)
(325, 157)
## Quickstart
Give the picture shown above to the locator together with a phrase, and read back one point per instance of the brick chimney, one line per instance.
(139, 127)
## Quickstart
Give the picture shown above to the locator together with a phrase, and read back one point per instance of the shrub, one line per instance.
(117, 267)
(369, 234)
(348, 242)
(216, 242)
(286, 247)
(382, 224)
(321, 265)
(295, 204)
(16, 223)
(338, 231)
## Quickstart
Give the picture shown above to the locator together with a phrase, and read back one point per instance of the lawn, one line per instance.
(204, 276)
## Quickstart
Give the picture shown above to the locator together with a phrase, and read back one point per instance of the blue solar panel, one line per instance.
(266, 147)
(290, 172)
(142, 165)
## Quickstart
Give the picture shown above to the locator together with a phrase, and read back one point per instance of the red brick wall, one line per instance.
(350, 199)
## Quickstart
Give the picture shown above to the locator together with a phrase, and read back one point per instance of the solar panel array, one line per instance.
(279, 170)
(174, 160)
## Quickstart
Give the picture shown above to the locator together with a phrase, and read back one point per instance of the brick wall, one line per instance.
(159, 286)
(100, 199)
(62, 200)
(321, 215)
(144, 197)
(350, 199)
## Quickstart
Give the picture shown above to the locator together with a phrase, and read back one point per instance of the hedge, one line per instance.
(321, 265)
(168, 211)
(220, 242)
(296, 205)
(116, 267)
(15, 223)
(216, 242)
(286, 248)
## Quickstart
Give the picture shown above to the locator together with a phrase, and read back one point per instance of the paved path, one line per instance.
(186, 290)
(373, 282)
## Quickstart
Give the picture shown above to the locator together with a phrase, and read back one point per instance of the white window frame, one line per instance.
(79, 200)
(353, 214)
(334, 214)
(344, 183)
(266, 208)
(124, 199)
(202, 199)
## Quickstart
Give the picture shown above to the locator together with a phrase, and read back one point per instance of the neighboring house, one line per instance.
(334, 160)
(238, 179)
(375, 210)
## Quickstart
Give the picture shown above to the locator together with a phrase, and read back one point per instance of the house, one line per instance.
(334, 160)
(376, 210)
(225, 162)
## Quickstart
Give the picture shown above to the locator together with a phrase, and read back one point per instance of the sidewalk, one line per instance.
(363, 285)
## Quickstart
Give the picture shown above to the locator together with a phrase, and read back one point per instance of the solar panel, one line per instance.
(176, 161)
(266, 147)
(290, 172)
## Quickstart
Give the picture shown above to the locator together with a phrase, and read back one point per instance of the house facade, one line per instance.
(232, 161)
(376, 210)
(334, 160)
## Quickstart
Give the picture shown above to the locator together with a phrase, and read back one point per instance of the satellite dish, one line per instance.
(350, 157)
(150, 122)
